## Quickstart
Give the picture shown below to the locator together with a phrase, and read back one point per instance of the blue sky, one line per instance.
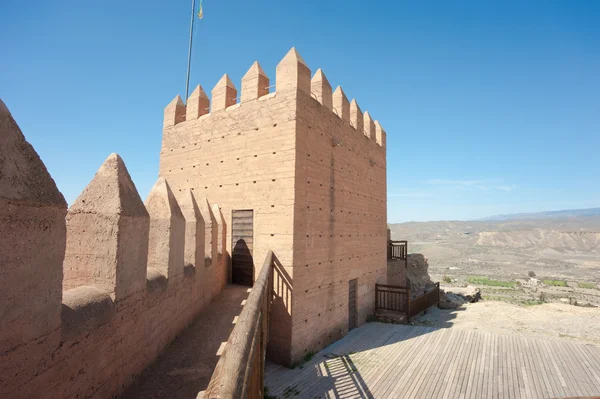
(490, 107)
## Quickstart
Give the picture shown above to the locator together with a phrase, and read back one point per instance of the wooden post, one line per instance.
(425, 293)
(438, 296)
(408, 304)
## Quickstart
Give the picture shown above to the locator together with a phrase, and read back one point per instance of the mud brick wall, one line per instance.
(90, 300)
(341, 219)
(243, 156)
(313, 169)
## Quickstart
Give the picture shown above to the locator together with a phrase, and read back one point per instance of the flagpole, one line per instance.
(187, 79)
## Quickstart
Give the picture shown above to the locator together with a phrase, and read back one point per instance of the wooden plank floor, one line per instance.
(397, 361)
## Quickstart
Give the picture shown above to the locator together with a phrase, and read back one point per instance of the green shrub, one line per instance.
(308, 357)
(587, 285)
(447, 280)
(491, 283)
(556, 283)
(531, 303)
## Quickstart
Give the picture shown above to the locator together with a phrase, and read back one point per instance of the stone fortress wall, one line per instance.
(91, 295)
(312, 167)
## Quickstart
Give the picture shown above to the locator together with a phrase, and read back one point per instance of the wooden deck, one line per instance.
(398, 361)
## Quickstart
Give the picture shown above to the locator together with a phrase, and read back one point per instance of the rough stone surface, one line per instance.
(255, 83)
(292, 74)
(185, 369)
(175, 112)
(198, 104)
(107, 241)
(224, 94)
(321, 89)
(396, 272)
(458, 297)
(341, 106)
(32, 245)
(417, 273)
(23, 175)
(84, 308)
(96, 341)
(167, 230)
(356, 116)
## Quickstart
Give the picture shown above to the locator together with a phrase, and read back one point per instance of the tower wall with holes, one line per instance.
(341, 219)
(312, 168)
(243, 157)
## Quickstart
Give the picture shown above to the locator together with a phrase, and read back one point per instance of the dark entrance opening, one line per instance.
(242, 236)
(352, 313)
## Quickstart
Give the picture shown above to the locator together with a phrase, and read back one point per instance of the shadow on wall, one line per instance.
(280, 330)
(186, 368)
(242, 264)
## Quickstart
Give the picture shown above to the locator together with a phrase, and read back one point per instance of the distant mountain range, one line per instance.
(546, 215)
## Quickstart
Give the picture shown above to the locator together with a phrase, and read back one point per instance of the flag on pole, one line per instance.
(200, 14)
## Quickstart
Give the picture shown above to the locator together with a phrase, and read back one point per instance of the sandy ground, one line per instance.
(550, 320)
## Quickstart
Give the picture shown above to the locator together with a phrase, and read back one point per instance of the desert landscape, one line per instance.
(526, 259)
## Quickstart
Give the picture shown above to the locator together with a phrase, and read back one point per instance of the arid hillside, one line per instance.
(561, 241)
(563, 252)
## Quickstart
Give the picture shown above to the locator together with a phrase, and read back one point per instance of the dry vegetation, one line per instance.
(525, 262)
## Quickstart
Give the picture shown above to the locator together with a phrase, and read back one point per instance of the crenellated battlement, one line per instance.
(299, 170)
(93, 293)
(292, 74)
(91, 299)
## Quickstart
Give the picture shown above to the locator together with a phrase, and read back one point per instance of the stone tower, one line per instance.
(300, 171)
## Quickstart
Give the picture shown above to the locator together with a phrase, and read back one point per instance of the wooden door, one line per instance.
(352, 313)
(242, 236)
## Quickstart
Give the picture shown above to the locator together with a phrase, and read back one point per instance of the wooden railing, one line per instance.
(391, 297)
(240, 370)
(398, 298)
(426, 299)
(397, 249)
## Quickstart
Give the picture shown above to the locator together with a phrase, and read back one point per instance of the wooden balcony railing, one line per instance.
(240, 370)
(421, 302)
(397, 249)
(398, 298)
(391, 297)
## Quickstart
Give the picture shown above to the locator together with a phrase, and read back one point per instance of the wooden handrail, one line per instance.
(234, 376)
(397, 249)
(398, 298)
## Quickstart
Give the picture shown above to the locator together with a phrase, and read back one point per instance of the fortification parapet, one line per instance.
(115, 314)
(292, 76)
(107, 234)
(356, 116)
(224, 94)
(293, 73)
(32, 247)
(197, 104)
(167, 231)
(369, 126)
(175, 112)
(380, 134)
(194, 230)
(85, 308)
(221, 244)
(255, 83)
(321, 89)
(341, 105)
